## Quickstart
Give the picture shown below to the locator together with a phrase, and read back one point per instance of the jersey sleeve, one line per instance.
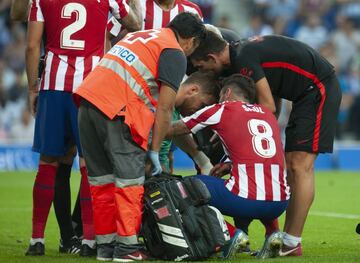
(119, 8)
(193, 8)
(172, 67)
(208, 116)
(35, 13)
(113, 26)
(198, 11)
(250, 65)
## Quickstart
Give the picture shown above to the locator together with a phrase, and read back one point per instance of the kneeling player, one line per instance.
(257, 187)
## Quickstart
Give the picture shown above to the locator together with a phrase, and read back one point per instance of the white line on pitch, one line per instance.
(335, 215)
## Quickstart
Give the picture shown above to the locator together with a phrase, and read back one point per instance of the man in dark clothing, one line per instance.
(285, 68)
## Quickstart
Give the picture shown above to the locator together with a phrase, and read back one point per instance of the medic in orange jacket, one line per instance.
(130, 81)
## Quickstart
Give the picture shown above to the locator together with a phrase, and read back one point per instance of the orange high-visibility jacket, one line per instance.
(125, 80)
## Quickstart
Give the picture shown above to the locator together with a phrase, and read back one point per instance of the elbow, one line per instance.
(134, 20)
(272, 108)
(32, 53)
(28, 51)
(164, 115)
(31, 49)
(136, 26)
(169, 134)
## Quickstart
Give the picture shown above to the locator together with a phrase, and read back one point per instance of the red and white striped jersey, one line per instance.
(251, 137)
(155, 17)
(75, 36)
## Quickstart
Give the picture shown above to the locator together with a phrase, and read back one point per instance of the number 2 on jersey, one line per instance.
(65, 39)
(262, 140)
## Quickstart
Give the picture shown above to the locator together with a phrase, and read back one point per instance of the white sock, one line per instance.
(291, 241)
(90, 243)
(33, 241)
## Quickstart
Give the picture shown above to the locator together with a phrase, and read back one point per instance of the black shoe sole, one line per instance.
(88, 254)
(35, 250)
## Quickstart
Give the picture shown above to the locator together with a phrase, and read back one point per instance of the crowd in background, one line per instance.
(330, 26)
(16, 121)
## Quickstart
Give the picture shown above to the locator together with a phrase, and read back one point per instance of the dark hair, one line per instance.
(187, 25)
(207, 81)
(211, 44)
(241, 85)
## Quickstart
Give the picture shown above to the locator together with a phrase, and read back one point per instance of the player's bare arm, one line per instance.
(108, 39)
(221, 169)
(187, 144)
(263, 94)
(133, 21)
(177, 128)
(34, 38)
(19, 10)
(163, 114)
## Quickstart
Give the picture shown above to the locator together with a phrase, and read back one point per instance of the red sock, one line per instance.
(43, 195)
(231, 228)
(86, 206)
(270, 226)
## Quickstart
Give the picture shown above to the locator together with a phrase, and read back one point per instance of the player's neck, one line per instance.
(225, 56)
(235, 98)
(165, 5)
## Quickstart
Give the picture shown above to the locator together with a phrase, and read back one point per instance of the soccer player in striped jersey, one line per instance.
(157, 14)
(75, 32)
(70, 224)
(212, 147)
(257, 187)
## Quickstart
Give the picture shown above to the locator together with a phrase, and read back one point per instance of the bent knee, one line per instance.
(69, 157)
(51, 160)
(122, 183)
(300, 163)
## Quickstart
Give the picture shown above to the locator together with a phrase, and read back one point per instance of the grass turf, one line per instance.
(326, 238)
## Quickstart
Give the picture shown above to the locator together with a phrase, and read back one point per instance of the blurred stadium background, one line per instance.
(330, 26)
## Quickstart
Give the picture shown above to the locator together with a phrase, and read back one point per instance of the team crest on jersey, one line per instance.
(246, 72)
(124, 54)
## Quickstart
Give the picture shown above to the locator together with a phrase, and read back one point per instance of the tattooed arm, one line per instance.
(177, 128)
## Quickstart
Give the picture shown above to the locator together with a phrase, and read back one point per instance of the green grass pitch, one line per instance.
(329, 234)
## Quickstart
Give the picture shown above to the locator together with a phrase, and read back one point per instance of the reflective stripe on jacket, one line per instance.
(125, 81)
